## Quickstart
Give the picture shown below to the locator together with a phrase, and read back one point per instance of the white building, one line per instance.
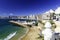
(48, 15)
(57, 14)
(32, 17)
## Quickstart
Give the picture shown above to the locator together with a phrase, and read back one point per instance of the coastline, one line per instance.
(31, 33)
(24, 34)
(8, 28)
(24, 26)
(19, 34)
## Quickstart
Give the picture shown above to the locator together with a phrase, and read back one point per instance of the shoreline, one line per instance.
(19, 34)
(24, 26)
(24, 34)
(31, 33)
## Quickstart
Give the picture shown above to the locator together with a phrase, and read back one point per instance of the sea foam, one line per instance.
(10, 36)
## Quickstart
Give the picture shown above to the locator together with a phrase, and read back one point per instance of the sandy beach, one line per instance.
(33, 33)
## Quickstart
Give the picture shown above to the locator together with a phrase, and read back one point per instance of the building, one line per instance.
(57, 14)
(48, 15)
(13, 17)
(39, 17)
(32, 17)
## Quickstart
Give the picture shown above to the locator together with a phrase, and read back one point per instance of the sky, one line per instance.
(26, 7)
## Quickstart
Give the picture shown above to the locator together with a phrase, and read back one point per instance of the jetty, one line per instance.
(18, 23)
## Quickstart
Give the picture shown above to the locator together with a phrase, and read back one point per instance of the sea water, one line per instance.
(8, 30)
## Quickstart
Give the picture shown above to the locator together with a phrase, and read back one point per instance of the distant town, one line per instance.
(21, 17)
(51, 14)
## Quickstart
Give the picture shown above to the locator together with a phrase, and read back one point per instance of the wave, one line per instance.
(10, 36)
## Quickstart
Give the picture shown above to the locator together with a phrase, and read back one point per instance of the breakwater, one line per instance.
(18, 23)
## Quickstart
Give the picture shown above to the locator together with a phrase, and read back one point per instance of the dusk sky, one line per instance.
(26, 7)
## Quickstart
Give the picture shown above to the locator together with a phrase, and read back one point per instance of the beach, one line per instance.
(33, 33)
(25, 32)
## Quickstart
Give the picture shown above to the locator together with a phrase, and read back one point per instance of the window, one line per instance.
(54, 17)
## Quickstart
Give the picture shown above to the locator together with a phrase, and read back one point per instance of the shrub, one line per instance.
(51, 21)
(36, 24)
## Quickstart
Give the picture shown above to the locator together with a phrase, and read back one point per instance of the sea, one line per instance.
(9, 30)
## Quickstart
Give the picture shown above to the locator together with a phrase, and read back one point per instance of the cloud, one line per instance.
(11, 14)
(57, 11)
